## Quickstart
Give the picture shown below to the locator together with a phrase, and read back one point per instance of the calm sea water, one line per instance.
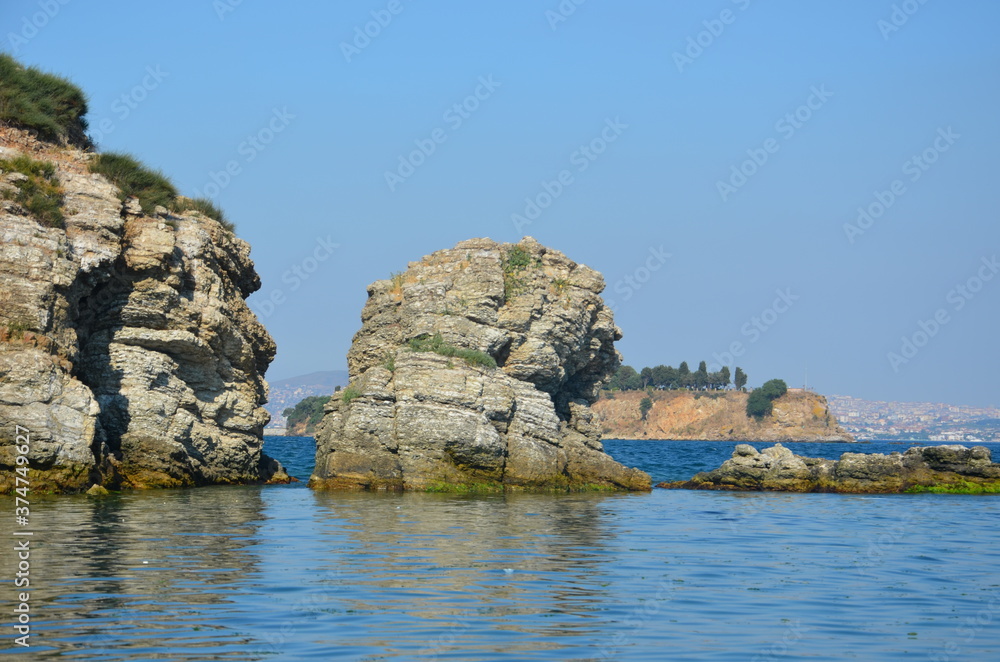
(283, 573)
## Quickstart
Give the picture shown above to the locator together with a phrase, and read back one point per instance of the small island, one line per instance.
(474, 370)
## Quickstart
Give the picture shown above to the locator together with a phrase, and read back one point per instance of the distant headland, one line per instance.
(798, 415)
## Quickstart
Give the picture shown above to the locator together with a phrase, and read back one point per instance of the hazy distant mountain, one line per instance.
(287, 393)
(323, 379)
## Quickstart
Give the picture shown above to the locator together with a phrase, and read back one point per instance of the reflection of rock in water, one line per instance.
(457, 546)
(140, 569)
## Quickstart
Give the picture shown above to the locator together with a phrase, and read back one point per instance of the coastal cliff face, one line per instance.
(127, 350)
(942, 469)
(475, 369)
(302, 429)
(797, 416)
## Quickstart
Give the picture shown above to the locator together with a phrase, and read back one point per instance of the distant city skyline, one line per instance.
(932, 421)
(782, 186)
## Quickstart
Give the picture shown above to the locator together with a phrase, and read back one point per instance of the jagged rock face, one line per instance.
(128, 350)
(427, 420)
(918, 469)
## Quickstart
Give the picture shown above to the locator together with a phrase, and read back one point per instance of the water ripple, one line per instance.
(249, 573)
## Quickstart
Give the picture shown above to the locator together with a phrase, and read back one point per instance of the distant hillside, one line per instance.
(303, 418)
(798, 416)
(289, 392)
(328, 379)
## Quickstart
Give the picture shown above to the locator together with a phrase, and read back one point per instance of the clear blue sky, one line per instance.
(228, 71)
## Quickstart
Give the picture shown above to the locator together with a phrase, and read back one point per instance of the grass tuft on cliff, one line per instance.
(436, 344)
(47, 104)
(39, 191)
(134, 179)
(515, 261)
(151, 187)
(206, 207)
(17, 328)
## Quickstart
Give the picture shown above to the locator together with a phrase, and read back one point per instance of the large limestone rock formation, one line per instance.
(920, 469)
(475, 369)
(127, 350)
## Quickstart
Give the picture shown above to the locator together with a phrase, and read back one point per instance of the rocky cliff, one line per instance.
(126, 347)
(944, 469)
(475, 369)
(716, 416)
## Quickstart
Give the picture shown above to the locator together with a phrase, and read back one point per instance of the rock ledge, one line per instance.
(950, 469)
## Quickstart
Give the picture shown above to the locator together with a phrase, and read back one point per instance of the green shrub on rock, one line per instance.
(644, 406)
(760, 402)
(436, 344)
(38, 191)
(515, 262)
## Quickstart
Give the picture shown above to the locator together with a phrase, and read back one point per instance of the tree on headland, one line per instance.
(761, 401)
(308, 411)
(774, 388)
(668, 378)
(626, 379)
(758, 405)
(665, 377)
(701, 376)
(646, 375)
(644, 406)
(740, 379)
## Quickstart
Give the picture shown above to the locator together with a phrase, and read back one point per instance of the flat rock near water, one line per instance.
(475, 370)
(948, 469)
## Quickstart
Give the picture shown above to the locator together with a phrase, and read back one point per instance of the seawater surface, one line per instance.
(285, 573)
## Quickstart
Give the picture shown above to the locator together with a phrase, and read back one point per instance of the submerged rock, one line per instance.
(128, 355)
(922, 469)
(475, 370)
